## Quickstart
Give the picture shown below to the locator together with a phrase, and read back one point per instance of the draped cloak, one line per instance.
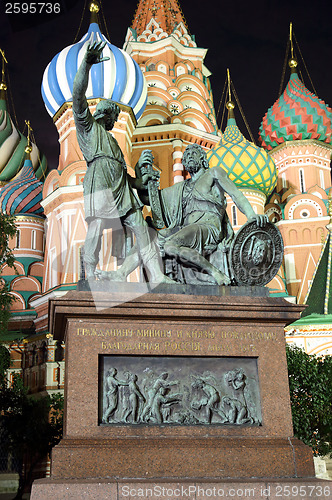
(214, 219)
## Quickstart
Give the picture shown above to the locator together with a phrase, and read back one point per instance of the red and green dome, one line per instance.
(298, 114)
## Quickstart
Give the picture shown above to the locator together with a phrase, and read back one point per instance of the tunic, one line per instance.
(107, 192)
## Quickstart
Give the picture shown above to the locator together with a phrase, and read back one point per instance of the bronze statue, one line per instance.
(197, 225)
(198, 243)
(109, 199)
(196, 218)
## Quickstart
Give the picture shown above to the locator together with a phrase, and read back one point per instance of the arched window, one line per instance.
(162, 68)
(18, 238)
(302, 183)
(234, 216)
(284, 182)
(33, 239)
(43, 353)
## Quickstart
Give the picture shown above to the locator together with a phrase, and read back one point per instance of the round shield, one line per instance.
(256, 254)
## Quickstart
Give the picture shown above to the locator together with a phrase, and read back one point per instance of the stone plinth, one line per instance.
(198, 326)
(296, 489)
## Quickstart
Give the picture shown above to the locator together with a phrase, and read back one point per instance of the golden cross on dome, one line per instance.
(230, 104)
(4, 61)
(28, 148)
(94, 7)
(293, 62)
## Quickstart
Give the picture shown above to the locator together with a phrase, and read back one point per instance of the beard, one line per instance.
(192, 166)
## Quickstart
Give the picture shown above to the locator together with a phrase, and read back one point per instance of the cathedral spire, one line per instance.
(230, 104)
(166, 13)
(292, 63)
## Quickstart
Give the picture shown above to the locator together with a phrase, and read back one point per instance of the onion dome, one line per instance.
(119, 78)
(24, 194)
(298, 114)
(247, 165)
(12, 148)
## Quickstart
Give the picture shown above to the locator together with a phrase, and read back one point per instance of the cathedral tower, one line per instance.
(296, 131)
(180, 106)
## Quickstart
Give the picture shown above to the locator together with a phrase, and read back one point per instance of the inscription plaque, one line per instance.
(181, 390)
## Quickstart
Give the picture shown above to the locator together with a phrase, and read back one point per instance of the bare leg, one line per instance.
(92, 246)
(146, 247)
(112, 406)
(191, 256)
(144, 250)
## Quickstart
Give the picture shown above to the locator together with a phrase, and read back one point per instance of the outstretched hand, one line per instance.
(94, 53)
(261, 220)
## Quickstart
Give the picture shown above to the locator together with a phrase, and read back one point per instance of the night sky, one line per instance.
(248, 37)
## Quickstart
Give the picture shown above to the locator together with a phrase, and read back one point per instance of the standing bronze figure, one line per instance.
(108, 189)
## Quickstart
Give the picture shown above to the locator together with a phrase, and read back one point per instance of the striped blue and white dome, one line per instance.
(119, 78)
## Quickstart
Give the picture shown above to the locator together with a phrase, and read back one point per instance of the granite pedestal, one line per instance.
(232, 327)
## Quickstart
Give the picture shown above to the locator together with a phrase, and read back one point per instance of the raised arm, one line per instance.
(92, 56)
(237, 196)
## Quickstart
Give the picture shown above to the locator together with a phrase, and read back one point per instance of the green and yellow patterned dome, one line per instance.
(247, 165)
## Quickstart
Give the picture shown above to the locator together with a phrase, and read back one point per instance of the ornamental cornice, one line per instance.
(145, 49)
(309, 331)
(30, 218)
(92, 102)
(296, 144)
(169, 132)
(59, 192)
(291, 222)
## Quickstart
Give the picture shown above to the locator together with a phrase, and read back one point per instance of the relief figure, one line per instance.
(160, 382)
(112, 394)
(161, 404)
(210, 400)
(136, 400)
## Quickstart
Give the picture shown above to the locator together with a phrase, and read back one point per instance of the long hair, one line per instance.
(202, 155)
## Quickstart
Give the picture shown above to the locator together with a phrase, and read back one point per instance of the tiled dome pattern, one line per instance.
(247, 165)
(298, 114)
(24, 194)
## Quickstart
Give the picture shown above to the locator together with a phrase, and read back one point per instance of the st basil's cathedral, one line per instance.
(162, 86)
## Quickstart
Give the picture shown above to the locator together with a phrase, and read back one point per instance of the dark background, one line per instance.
(248, 37)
